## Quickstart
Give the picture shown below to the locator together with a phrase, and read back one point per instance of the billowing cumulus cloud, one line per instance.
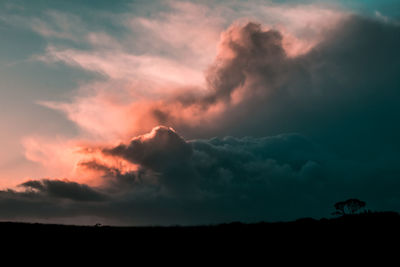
(303, 93)
(219, 175)
(159, 150)
(245, 53)
(305, 114)
(249, 179)
(162, 151)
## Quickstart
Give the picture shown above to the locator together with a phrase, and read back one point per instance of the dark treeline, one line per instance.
(357, 234)
(354, 224)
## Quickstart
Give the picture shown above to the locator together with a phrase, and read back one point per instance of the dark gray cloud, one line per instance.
(62, 189)
(230, 179)
(217, 163)
(249, 179)
(162, 151)
(343, 93)
(338, 105)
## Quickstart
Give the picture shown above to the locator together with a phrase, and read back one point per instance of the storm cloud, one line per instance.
(62, 189)
(249, 179)
(246, 53)
(227, 177)
(343, 92)
(311, 129)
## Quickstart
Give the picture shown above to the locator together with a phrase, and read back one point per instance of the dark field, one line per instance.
(355, 236)
(377, 224)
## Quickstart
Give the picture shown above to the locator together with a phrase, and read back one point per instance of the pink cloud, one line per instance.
(170, 84)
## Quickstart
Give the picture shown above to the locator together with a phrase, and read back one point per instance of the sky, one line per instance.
(196, 112)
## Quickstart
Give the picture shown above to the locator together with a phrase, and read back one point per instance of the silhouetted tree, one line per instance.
(350, 206)
(340, 208)
(354, 205)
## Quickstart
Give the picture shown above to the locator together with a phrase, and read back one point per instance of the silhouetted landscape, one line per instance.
(352, 219)
(357, 225)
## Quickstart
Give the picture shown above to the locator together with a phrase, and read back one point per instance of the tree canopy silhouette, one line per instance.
(350, 206)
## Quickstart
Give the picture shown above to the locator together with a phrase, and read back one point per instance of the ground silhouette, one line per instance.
(359, 235)
(357, 225)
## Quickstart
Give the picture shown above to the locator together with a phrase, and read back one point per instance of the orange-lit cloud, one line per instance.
(68, 158)
(191, 75)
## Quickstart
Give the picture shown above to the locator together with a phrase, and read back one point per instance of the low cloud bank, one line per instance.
(209, 181)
